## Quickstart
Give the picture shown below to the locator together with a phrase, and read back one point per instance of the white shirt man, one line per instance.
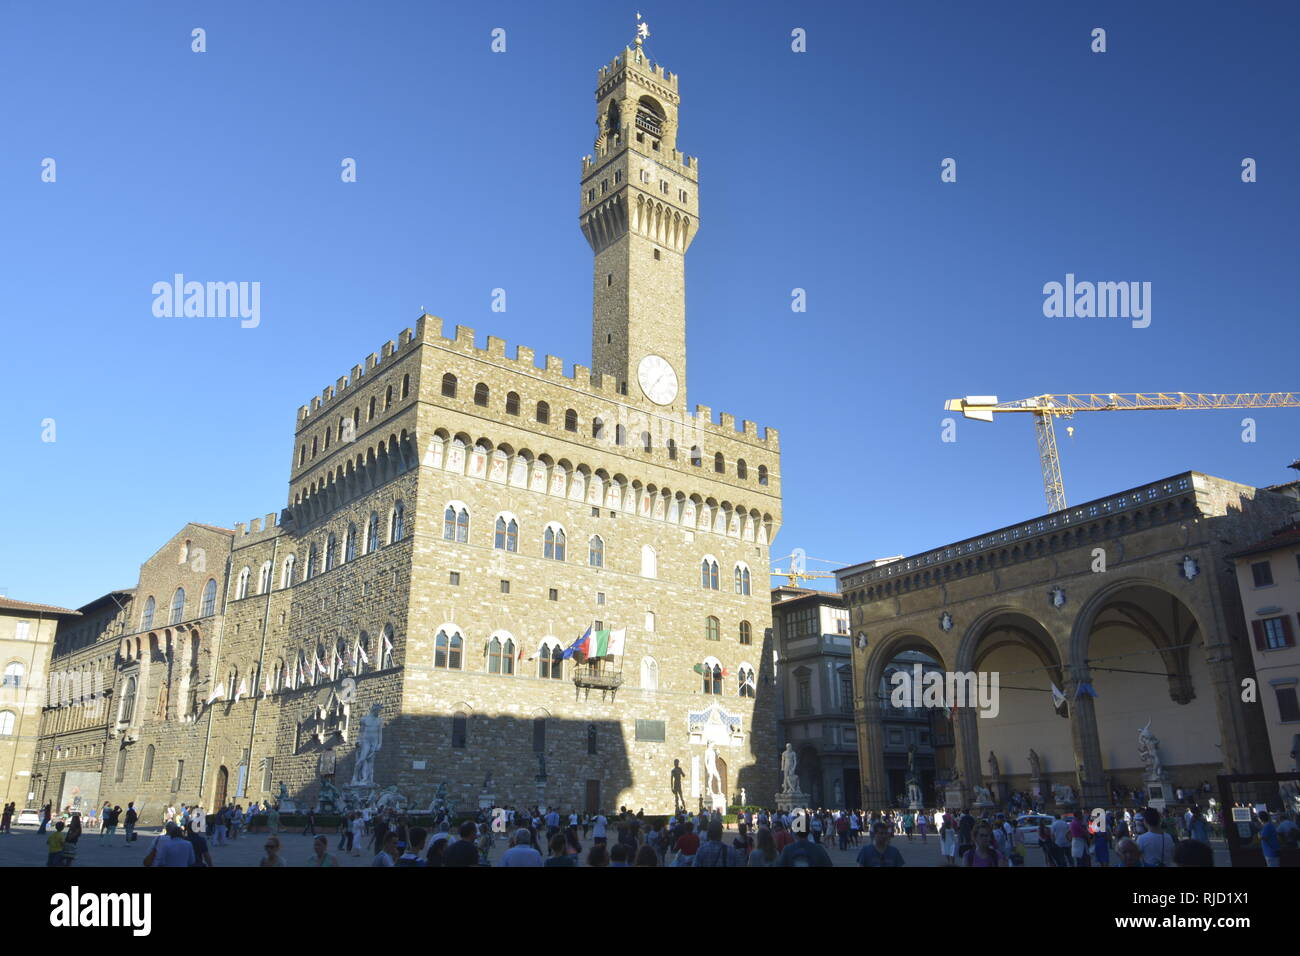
(598, 827)
(1157, 848)
(521, 852)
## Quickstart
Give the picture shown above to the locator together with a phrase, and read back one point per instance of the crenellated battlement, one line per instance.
(679, 162)
(637, 59)
(429, 331)
(257, 530)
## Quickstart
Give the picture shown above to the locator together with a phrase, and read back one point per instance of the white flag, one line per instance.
(616, 640)
(1058, 698)
(220, 691)
(243, 689)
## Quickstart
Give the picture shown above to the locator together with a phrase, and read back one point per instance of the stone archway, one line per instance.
(220, 789)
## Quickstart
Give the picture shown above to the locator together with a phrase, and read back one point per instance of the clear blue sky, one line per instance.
(818, 171)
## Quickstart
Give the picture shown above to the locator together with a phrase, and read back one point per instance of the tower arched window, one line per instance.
(742, 469)
(264, 578)
(506, 536)
(241, 583)
(709, 574)
(449, 386)
(647, 443)
(553, 542)
(512, 403)
(597, 428)
(620, 435)
(310, 570)
(331, 544)
(350, 543)
(286, 576)
(712, 630)
(543, 413)
(481, 395)
(372, 533)
(126, 709)
(146, 618)
(762, 474)
(449, 649)
(208, 606)
(388, 398)
(570, 421)
(370, 414)
(742, 582)
(697, 456)
(397, 526)
(672, 450)
(455, 523)
(719, 463)
(178, 606)
(406, 385)
(596, 551)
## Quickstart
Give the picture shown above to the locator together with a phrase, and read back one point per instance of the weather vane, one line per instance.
(642, 29)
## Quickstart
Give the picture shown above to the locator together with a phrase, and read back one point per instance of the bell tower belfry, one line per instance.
(639, 212)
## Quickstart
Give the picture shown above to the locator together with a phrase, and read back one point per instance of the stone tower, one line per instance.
(640, 211)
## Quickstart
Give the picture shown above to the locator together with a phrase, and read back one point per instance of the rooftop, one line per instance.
(8, 604)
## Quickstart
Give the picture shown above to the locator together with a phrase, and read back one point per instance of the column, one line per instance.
(1087, 742)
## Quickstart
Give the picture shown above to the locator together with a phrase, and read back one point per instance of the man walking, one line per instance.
(129, 820)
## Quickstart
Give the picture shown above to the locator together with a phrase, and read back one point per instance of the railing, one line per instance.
(649, 123)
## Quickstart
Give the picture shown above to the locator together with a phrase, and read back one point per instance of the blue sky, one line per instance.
(818, 171)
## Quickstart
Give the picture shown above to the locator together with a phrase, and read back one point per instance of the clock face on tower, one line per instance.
(658, 380)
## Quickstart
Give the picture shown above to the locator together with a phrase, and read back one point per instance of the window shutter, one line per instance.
(1258, 628)
(1286, 631)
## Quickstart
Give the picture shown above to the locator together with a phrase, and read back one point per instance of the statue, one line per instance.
(789, 764)
(283, 795)
(1035, 768)
(744, 800)
(541, 765)
(993, 765)
(329, 797)
(1063, 793)
(487, 784)
(390, 797)
(711, 766)
(983, 796)
(372, 738)
(1149, 751)
(675, 780)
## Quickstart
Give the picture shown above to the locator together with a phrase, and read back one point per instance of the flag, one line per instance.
(386, 659)
(1058, 698)
(220, 691)
(616, 641)
(243, 689)
(361, 652)
(578, 646)
(1084, 688)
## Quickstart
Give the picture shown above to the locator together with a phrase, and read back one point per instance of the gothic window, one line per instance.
(397, 531)
(512, 403)
(596, 551)
(449, 386)
(406, 385)
(742, 469)
(146, 619)
(501, 655)
(506, 537)
(570, 421)
(350, 544)
(126, 709)
(481, 395)
(712, 676)
(241, 584)
(455, 523)
(709, 574)
(745, 680)
(742, 579)
(449, 649)
(264, 578)
(746, 633)
(388, 398)
(362, 662)
(762, 474)
(543, 413)
(178, 606)
(719, 463)
(459, 730)
(286, 576)
(372, 533)
(330, 545)
(311, 565)
(553, 542)
(550, 660)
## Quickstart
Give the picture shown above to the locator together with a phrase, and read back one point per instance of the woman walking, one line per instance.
(948, 841)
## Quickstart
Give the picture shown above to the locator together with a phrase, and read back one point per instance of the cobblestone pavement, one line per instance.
(26, 848)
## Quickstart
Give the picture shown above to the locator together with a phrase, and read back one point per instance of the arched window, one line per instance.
(397, 527)
(543, 413)
(620, 435)
(449, 386)
(553, 542)
(388, 398)
(712, 672)
(286, 576)
(146, 618)
(406, 385)
(709, 574)
(501, 655)
(550, 660)
(126, 709)
(507, 533)
(7, 722)
(647, 444)
(742, 579)
(449, 649)
(745, 680)
(14, 674)
(481, 395)
(328, 433)
(719, 463)
(362, 654)
(539, 735)
(208, 606)
(712, 631)
(264, 578)
(370, 415)
(178, 606)
(697, 456)
(649, 673)
(330, 546)
(146, 773)
(596, 551)
(570, 421)
(672, 450)
(459, 730)
(649, 562)
(746, 633)
(372, 533)
(762, 474)
(350, 543)
(310, 570)
(455, 522)
(742, 469)
(512, 403)
(302, 455)
(241, 583)
(597, 428)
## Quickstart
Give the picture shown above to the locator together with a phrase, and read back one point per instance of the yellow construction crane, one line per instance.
(797, 572)
(1045, 408)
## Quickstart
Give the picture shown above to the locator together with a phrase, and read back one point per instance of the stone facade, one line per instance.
(1126, 596)
(399, 474)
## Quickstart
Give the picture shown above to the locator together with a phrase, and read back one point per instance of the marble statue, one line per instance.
(372, 738)
(993, 765)
(983, 796)
(283, 795)
(711, 767)
(744, 800)
(329, 797)
(1063, 793)
(390, 797)
(1149, 751)
(789, 764)
(1035, 768)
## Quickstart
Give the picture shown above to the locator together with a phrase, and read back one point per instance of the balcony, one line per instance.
(585, 681)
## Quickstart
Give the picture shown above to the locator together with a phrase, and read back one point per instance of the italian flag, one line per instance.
(602, 643)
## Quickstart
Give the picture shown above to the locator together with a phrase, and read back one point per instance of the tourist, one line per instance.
(714, 852)
(1128, 852)
(7, 818)
(619, 855)
(109, 817)
(54, 845)
(356, 833)
(413, 852)
(273, 819)
(1156, 846)
(272, 848)
(921, 823)
(388, 854)
(437, 847)
(765, 852)
(202, 856)
(1191, 852)
(687, 845)
(560, 855)
(1060, 841)
(1101, 847)
(129, 821)
(311, 823)
(781, 836)
(598, 827)
(173, 849)
(965, 833)
(909, 824)
(463, 852)
(1079, 840)
(1288, 834)
(948, 840)
(983, 853)
(521, 852)
(804, 852)
(220, 827)
(1269, 843)
(878, 852)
